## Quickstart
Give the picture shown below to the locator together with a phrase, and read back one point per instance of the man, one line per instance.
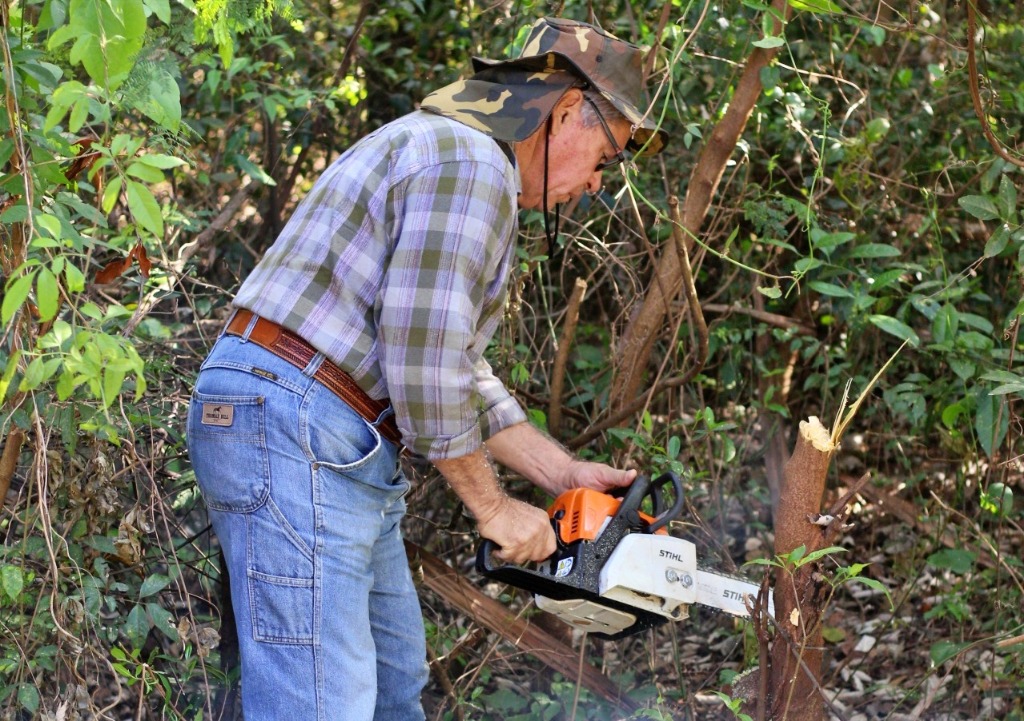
(362, 330)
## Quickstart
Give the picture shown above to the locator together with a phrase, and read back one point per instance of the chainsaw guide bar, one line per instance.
(616, 571)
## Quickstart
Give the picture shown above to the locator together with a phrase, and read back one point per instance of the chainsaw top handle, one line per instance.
(643, 487)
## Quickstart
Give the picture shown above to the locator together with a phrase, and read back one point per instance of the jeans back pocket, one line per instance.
(228, 446)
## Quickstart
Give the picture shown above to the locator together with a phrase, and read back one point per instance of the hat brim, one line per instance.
(646, 139)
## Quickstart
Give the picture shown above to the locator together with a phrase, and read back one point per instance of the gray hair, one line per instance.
(610, 113)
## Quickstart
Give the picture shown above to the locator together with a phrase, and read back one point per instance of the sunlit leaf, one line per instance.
(979, 206)
(895, 327)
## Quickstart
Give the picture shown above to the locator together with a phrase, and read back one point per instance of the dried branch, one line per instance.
(9, 460)
(972, 79)
(700, 328)
(572, 316)
(451, 586)
(639, 337)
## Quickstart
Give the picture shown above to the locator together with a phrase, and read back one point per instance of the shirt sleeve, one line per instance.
(499, 409)
(455, 225)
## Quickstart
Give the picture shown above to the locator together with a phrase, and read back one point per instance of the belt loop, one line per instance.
(314, 364)
(248, 328)
(227, 323)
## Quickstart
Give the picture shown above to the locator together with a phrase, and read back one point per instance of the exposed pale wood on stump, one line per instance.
(796, 654)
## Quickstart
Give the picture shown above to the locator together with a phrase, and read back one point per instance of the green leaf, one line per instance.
(9, 371)
(774, 292)
(136, 626)
(942, 651)
(12, 581)
(806, 265)
(111, 193)
(821, 552)
(163, 620)
(16, 294)
(48, 223)
(830, 289)
(980, 206)
(107, 38)
(1001, 376)
(252, 170)
(162, 103)
(160, 161)
(144, 208)
(1007, 199)
(895, 327)
(675, 445)
(956, 560)
(74, 278)
(47, 294)
(770, 42)
(873, 250)
(987, 412)
(997, 499)
(997, 242)
(827, 242)
(832, 634)
(28, 697)
(815, 6)
(1007, 389)
(160, 8)
(34, 375)
(153, 584)
(145, 173)
(796, 554)
(945, 324)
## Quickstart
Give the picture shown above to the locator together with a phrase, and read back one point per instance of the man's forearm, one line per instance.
(530, 453)
(522, 531)
(474, 481)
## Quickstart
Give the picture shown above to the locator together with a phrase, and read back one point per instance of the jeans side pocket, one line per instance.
(280, 575)
(227, 445)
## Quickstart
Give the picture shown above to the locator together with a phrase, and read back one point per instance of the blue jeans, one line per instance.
(306, 498)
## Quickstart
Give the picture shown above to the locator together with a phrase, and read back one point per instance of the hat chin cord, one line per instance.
(552, 238)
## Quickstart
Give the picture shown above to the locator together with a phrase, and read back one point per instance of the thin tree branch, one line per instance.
(972, 78)
(572, 316)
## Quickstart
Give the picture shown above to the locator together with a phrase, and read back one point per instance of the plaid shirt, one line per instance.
(395, 266)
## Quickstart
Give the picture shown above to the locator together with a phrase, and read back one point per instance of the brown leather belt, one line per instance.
(285, 344)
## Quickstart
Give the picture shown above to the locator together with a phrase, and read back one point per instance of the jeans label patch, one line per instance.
(218, 414)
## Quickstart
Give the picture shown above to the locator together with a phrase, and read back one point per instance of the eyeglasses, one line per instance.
(620, 154)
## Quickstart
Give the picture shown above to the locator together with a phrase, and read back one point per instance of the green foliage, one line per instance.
(862, 206)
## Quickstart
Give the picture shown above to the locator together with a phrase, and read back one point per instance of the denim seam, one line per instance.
(248, 368)
(318, 549)
(295, 538)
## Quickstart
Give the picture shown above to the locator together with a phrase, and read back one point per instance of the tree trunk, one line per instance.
(800, 592)
(639, 336)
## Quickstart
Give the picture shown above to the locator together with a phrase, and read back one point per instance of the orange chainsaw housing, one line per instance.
(583, 512)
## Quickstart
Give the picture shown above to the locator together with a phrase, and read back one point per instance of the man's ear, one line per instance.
(566, 108)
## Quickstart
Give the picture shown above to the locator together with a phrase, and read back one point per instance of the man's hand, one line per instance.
(600, 477)
(522, 531)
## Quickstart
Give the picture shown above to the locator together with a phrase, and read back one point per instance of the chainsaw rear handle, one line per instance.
(483, 556)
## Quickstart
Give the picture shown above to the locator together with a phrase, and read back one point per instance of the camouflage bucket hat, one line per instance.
(511, 99)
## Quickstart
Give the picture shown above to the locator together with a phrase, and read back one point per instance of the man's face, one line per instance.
(575, 154)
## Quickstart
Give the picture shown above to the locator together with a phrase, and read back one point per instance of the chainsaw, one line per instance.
(616, 570)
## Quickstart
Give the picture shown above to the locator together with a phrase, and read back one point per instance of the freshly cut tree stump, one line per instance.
(800, 593)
